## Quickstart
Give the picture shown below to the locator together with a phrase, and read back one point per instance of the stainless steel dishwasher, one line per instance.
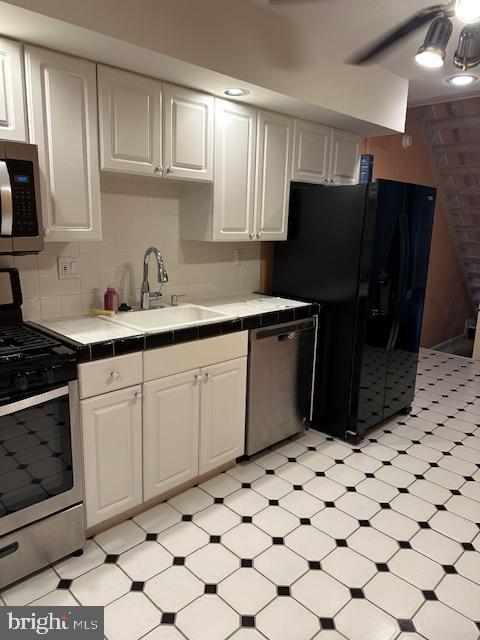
(279, 382)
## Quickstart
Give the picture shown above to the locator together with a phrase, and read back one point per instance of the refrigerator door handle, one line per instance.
(402, 280)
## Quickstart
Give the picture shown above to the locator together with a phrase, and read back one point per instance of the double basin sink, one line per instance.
(167, 318)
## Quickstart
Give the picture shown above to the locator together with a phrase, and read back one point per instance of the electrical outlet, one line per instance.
(67, 268)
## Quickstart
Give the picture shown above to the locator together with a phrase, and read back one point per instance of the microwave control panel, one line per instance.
(22, 183)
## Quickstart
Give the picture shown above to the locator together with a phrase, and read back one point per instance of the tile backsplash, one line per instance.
(136, 214)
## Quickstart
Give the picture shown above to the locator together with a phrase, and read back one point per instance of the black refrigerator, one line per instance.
(362, 253)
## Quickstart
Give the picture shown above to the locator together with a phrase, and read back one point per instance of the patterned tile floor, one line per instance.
(316, 539)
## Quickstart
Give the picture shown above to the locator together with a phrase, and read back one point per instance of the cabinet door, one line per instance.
(273, 171)
(171, 422)
(311, 152)
(62, 107)
(130, 122)
(222, 417)
(112, 453)
(345, 158)
(188, 133)
(12, 92)
(234, 189)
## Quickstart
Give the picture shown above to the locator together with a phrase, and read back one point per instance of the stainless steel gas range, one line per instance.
(41, 489)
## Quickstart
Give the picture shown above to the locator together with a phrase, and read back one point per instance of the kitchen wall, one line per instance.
(136, 213)
(447, 303)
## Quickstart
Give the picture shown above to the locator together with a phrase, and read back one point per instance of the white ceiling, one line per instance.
(354, 23)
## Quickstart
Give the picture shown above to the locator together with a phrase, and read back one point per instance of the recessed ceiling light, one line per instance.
(462, 80)
(236, 91)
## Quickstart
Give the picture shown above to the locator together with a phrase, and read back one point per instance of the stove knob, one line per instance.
(48, 376)
(21, 382)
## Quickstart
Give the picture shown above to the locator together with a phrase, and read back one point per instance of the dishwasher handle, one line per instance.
(284, 332)
(288, 336)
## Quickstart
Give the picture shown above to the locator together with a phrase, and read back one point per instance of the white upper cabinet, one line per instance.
(311, 162)
(222, 413)
(170, 441)
(130, 122)
(188, 133)
(112, 453)
(234, 176)
(12, 92)
(62, 109)
(345, 158)
(274, 166)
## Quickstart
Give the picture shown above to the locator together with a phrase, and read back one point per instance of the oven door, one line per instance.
(40, 463)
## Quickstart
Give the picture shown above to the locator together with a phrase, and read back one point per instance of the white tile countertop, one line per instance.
(86, 329)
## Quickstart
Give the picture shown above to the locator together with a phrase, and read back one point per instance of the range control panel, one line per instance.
(22, 183)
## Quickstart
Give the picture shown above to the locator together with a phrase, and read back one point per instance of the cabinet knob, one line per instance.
(158, 169)
(208, 376)
(251, 236)
(332, 180)
(197, 377)
(169, 170)
(47, 231)
(114, 374)
(138, 395)
(326, 180)
(259, 234)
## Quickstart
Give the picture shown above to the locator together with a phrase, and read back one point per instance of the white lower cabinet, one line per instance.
(222, 413)
(112, 446)
(170, 443)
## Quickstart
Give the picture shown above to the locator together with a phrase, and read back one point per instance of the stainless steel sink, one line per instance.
(152, 320)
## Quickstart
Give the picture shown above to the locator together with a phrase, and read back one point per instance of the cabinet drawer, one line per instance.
(110, 374)
(167, 361)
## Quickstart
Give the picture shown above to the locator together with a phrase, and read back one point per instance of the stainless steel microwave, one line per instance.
(20, 203)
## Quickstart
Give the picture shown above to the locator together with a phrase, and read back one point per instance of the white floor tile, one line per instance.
(377, 489)
(395, 476)
(394, 524)
(100, 586)
(212, 563)
(270, 460)
(324, 489)
(349, 567)
(358, 506)
(191, 501)
(399, 598)
(301, 504)
(275, 521)
(247, 591)
(335, 523)
(435, 621)
(444, 478)
(335, 450)
(73, 566)
(373, 544)
(280, 565)
(207, 618)
(429, 491)
(453, 526)
(216, 519)
(345, 475)
(294, 473)
(469, 566)
(30, 589)
(183, 538)
(456, 465)
(379, 451)
(436, 546)
(57, 598)
(144, 561)
(158, 518)
(271, 487)
(316, 461)
(361, 620)
(291, 449)
(310, 543)
(320, 593)
(416, 569)
(221, 485)
(410, 464)
(460, 594)
(413, 507)
(246, 540)
(362, 462)
(463, 506)
(130, 617)
(285, 619)
(246, 502)
(174, 588)
(164, 632)
(120, 538)
(246, 472)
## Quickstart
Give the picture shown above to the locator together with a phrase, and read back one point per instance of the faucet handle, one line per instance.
(174, 298)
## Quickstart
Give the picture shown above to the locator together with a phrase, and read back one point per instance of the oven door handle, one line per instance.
(6, 214)
(34, 400)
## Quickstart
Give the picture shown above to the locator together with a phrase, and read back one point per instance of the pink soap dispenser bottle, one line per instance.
(111, 299)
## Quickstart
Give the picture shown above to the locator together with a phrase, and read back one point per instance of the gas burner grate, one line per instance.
(19, 338)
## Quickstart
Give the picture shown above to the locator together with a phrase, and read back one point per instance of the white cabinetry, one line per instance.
(12, 92)
(273, 170)
(62, 108)
(170, 444)
(112, 446)
(345, 158)
(188, 144)
(130, 122)
(222, 421)
(325, 156)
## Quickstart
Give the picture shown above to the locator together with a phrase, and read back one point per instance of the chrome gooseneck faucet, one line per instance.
(147, 295)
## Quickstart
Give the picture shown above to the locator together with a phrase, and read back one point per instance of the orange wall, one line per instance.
(447, 304)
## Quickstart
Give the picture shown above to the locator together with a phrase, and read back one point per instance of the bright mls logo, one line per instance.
(24, 623)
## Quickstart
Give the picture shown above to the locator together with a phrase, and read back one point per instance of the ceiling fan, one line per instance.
(433, 50)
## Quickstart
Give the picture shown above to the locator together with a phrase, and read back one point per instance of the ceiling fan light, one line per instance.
(467, 54)
(432, 52)
(468, 11)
